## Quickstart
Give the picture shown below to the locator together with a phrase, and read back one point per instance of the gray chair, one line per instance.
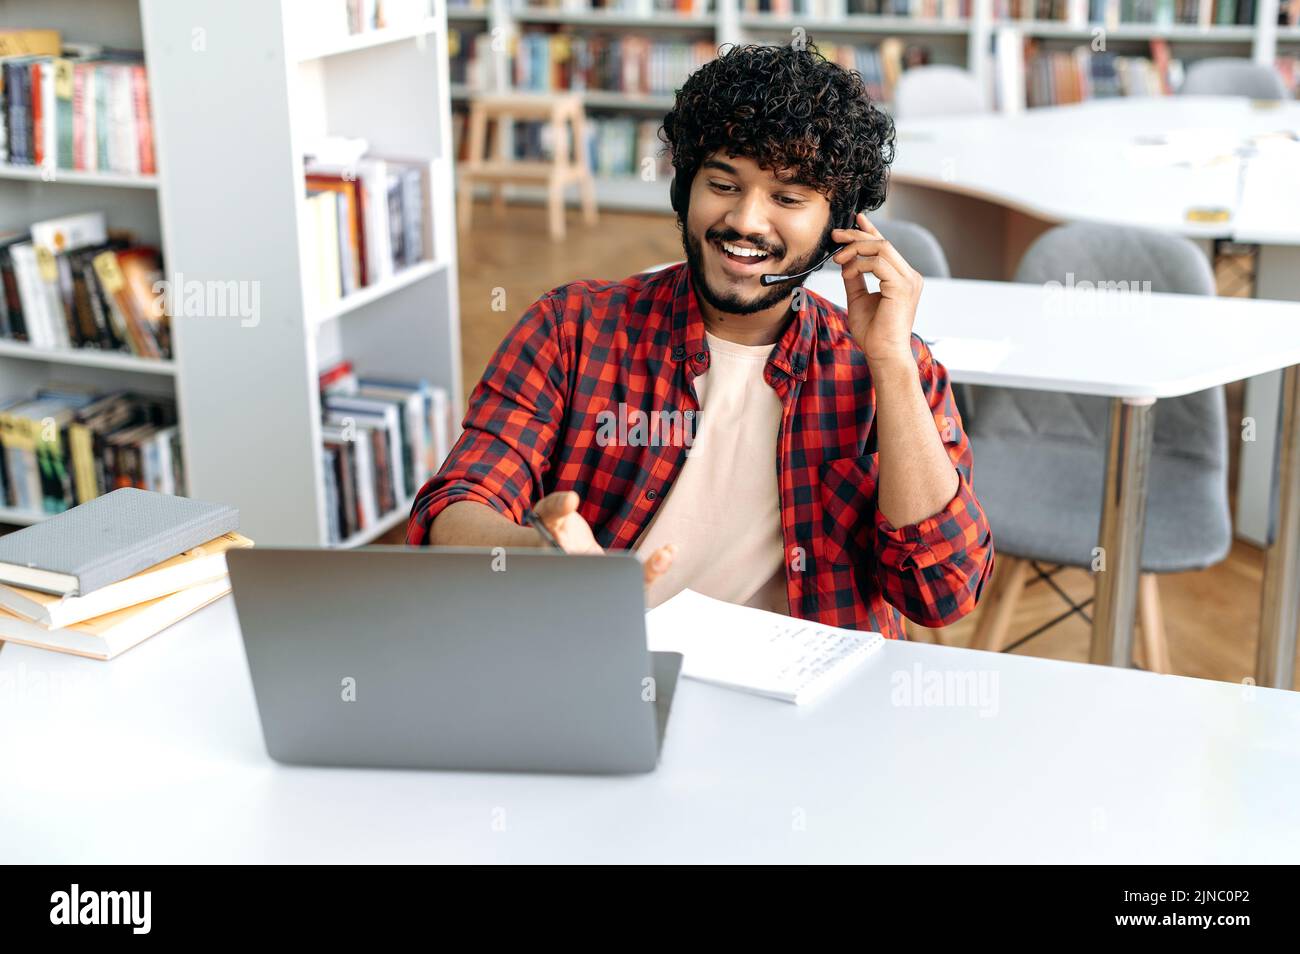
(937, 91)
(915, 243)
(1040, 456)
(1230, 76)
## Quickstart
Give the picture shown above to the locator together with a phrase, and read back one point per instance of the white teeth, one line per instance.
(743, 252)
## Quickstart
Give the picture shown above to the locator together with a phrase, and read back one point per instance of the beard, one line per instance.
(767, 297)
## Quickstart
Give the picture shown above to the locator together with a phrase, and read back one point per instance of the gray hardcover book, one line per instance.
(108, 539)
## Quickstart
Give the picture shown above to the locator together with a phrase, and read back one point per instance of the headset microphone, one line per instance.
(773, 279)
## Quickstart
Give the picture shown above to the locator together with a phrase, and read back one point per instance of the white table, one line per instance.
(1135, 350)
(988, 185)
(158, 757)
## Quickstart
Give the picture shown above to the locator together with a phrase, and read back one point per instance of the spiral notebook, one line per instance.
(752, 650)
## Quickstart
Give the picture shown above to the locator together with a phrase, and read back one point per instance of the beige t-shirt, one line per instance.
(724, 509)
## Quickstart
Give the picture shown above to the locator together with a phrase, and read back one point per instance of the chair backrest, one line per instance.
(1191, 426)
(937, 91)
(917, 245)
(1231, 76)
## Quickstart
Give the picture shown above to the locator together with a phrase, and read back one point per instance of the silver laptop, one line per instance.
(395, 657)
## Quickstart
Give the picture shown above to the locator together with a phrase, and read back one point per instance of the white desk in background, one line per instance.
(1133, 349)
(157, 757)
(988, 185)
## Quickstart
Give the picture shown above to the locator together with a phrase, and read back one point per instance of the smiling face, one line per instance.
(744, 222)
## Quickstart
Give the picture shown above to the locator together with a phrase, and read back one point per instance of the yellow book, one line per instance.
(112, 634)
(202, 564)
(30, 43)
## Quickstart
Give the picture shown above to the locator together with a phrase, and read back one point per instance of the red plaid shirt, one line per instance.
(584, 348)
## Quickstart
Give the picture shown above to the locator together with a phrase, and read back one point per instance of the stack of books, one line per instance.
(66, 444)
(77, 106)
(1056, 77)
(369, 222)
(628, 64)
(105, 576)
(382, 439)
(68, 283)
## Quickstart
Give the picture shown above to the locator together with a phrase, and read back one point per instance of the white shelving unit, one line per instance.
(238, 87)
(234, 123)
(963, 42)
(29, 194)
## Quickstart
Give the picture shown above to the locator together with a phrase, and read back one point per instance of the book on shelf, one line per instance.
(67, 445)
(1057, 77)
(617, 146)
(639, 66)
(935, 10)
(204, 563)
(469, 59)
(631, 65)
(382, 439)
(364, 15)
(635, 8)
(1205, 14)
(69, 283)
(77, 107)
(368, 221)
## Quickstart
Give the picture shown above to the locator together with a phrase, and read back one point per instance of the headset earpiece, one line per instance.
(678, 194)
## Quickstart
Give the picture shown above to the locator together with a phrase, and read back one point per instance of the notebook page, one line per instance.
(753, 650)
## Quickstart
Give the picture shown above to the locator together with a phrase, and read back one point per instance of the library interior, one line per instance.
(362, 363)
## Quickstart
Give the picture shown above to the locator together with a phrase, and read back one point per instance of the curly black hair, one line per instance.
(785, 108)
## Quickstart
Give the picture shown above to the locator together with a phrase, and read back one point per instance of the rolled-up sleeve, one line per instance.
(510, 428)
(934, 571)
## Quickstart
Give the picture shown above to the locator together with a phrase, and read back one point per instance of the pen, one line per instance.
(535, 522)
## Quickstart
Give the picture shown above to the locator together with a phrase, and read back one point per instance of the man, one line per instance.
(749, 441)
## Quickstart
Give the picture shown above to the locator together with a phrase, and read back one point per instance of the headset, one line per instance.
(679, 194)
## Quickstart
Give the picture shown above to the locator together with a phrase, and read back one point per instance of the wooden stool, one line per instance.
(502, 108)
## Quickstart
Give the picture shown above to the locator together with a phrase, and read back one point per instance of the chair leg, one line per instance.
(1154, 641)
(995, 619)
(477, 142)
(555, 203)
(465, 203)
(586, 184)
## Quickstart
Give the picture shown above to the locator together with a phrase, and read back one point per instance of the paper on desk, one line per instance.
(753, 650)
(1269, 197)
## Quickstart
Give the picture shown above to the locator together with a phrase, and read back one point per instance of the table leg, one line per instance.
(1279, 612)
(1123, 520)
(1277, 276)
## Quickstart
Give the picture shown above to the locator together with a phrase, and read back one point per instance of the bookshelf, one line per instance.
(238, 90)
(276, 78)
(34, 193)
(964, 37)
